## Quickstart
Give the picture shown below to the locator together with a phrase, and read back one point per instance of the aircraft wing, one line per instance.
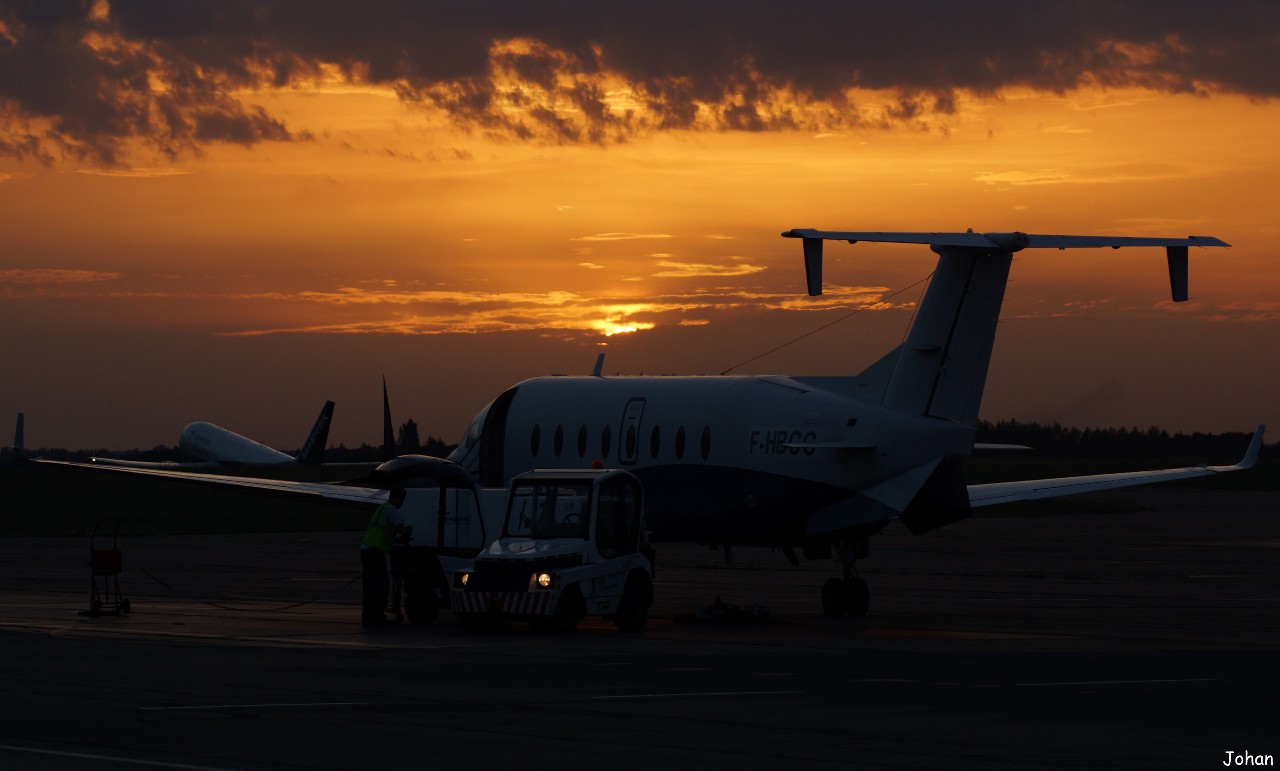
(161, 465)
(331, 492)
(1034, 489)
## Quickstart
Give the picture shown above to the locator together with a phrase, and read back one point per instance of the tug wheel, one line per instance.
(859, 597)
(633, 609)
(835, 597)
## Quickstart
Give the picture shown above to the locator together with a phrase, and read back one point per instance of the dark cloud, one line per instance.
(82, 79)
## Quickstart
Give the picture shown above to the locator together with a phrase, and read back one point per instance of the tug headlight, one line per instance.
(544, 580)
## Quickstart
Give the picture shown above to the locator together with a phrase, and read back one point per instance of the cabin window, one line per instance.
(535, 439)
(582, 441)
(558, 443)
(680, 443)
(706, 442)
(606, 441)
(655, 442)
(631, 442)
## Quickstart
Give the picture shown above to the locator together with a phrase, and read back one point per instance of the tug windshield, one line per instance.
(542, 510)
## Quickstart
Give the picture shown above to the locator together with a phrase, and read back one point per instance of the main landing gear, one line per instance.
(848, 594)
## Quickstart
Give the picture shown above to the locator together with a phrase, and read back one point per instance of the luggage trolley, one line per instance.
(104, 564)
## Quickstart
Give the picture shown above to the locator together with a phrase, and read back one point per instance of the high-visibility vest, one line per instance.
(378, 535)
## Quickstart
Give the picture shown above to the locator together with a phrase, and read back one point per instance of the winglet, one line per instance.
(1250, 455)
(813, 265)
(1177, 272)
(18, 442)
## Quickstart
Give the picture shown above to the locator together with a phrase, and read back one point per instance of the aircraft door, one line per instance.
(493, 442)
(629, 436)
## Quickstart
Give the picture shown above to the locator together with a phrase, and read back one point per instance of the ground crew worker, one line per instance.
(384, 525)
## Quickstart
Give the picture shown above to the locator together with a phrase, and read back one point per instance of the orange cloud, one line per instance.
(621, 236)
(675, 269)
(456, 312)
(55, 276)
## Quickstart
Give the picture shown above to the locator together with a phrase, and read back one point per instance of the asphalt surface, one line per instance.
(1139, 630)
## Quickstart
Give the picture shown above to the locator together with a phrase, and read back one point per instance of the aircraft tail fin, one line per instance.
(388, 435)
(312, 453)
(941, 369)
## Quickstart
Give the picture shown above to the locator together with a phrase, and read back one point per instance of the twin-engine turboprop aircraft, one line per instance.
(815, 464)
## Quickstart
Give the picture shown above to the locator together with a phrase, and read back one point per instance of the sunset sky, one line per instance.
(233, 211)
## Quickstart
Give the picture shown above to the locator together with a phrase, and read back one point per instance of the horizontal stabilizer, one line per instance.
(1004, 242)
(998, 243)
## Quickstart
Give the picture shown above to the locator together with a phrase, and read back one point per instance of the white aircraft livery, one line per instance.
(811, 463)
(815, 464)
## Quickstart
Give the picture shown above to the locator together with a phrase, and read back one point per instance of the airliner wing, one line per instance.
(160, 465)
(330, 492)
(1033, 489)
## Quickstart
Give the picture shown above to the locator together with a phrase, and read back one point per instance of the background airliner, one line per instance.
(210, 447)
(812, 465)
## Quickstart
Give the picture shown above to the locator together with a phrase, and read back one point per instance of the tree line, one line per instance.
(408, 442)
(1056, 439)
(1051, 439)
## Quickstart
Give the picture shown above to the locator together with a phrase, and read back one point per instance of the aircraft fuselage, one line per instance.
(771, 460)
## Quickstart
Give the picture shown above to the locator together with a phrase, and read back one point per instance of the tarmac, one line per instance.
(1131, 629)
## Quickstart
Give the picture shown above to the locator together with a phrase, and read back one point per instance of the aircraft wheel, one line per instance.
(125, 607)
(859, 597)
(836, 600)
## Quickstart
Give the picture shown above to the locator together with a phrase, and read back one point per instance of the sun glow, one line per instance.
(609, 329)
